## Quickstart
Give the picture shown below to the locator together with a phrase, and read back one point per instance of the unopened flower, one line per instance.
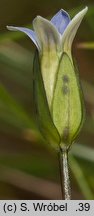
(57, 90)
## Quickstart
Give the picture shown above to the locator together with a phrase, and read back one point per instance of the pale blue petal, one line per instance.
(61, 20)
(27, 31)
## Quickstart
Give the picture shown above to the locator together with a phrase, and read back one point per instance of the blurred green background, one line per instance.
(28, 166)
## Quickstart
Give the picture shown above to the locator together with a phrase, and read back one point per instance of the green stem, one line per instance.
(65, 174)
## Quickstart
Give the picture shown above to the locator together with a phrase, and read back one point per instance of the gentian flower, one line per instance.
(57, 92)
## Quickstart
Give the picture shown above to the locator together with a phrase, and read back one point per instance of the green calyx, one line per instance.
(61, 121)
(67, 105)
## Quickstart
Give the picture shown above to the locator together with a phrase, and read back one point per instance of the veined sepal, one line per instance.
(67, 105)
(43, 116)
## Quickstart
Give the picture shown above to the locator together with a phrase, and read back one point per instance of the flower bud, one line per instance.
(57, 92)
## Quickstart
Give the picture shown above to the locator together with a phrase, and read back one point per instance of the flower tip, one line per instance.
(7, 27)
(64, 11)
(86, 8)
(10, 27)
(38, 17)
(84, 11)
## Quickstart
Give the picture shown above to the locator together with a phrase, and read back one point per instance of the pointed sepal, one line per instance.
(67, 105)
(43, 116)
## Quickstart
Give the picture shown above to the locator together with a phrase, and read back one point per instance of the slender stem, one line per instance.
(61, 172)
(65, 174)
